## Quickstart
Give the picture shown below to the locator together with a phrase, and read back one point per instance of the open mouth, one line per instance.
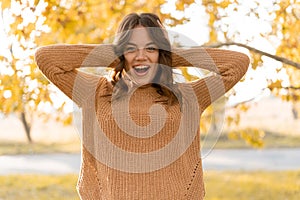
(141, 70)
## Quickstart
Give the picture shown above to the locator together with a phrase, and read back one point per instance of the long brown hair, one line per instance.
(163, 80)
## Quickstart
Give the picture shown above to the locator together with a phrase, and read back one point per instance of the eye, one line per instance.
(151, 49)
(130, 49)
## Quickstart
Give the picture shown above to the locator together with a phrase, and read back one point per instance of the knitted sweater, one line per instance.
(139, 147)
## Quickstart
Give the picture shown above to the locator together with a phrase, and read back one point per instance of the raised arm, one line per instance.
(59, 63)
(227, 67)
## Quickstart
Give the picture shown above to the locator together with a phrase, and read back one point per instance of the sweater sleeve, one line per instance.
(227, 67)
(60, 63)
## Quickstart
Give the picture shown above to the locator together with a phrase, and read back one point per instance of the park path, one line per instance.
(251, 159)
(217, 159)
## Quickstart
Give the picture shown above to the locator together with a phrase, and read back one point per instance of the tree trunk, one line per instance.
(27, 127)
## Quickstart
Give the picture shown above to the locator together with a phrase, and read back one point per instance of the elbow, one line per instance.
(38, 56)
(243, 62)
(42, 58)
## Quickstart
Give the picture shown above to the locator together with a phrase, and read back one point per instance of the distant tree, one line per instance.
(22, 87)
(274, 22)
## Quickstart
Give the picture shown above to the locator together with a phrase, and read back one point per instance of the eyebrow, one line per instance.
(149, 43)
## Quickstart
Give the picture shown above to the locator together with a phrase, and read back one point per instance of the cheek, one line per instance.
(155, 58)
(154, 71)
(128, 62)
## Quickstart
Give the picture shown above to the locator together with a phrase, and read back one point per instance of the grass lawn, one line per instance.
(38, 187)
(284, 185)
(219, 186)
(271, 140)
(11, 148)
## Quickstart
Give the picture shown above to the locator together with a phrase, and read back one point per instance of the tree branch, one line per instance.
(278, 58)
(290, 87)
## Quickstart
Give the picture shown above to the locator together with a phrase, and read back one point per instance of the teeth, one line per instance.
(142, 67)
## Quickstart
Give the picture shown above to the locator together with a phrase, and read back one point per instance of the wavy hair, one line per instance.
(163, 79)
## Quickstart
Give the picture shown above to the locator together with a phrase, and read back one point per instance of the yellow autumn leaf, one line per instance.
(224, 3)
(68, 120)
(276, 84)
(5, 4)
(233, 135)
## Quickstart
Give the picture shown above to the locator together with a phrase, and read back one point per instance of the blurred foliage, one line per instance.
(28, 24)
(281, 30)
(22, 87)
(252, 136)
(94, 21)
(32, 23)
(283, 18)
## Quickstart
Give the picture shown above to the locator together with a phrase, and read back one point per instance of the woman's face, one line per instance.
(141, 57)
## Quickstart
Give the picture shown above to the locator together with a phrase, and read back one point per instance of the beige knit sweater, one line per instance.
(139, 147)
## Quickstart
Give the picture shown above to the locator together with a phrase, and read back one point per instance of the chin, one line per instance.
(140, 81)
(143, 83)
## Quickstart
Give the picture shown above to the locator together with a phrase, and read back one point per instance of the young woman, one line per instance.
(140, 134)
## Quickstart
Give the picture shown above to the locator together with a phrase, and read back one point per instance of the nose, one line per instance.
(141, 55)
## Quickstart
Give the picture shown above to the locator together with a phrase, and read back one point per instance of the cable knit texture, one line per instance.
(182, 178)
